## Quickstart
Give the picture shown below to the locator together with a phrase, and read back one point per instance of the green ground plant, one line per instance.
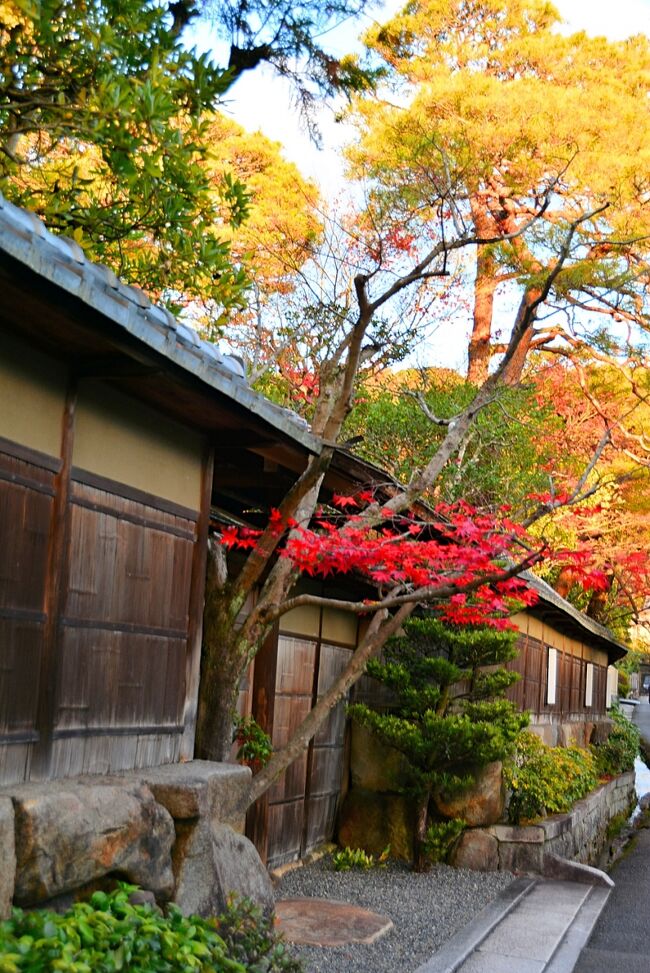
(108, 934)
(547, 780)
(349, 858)
(441, 837)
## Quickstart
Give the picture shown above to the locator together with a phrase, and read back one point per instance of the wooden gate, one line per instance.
(292, 671)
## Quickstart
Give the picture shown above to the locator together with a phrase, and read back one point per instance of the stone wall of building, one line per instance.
(173, 830)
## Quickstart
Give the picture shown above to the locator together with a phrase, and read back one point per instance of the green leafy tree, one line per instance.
(101, 128)
(399, 419)
(448, 717)
(107, 130)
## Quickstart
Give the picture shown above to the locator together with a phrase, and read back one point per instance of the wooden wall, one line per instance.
(300, 662)
(530, 692)
(100, 610)
(294, 668)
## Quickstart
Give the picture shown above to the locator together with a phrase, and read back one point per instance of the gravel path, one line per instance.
(426, 910)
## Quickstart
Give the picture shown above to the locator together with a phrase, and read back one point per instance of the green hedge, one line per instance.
(110, 935)
(621, 748)
(547, 780)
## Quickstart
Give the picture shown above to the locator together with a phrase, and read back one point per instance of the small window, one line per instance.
(551, 677)
(589, 685)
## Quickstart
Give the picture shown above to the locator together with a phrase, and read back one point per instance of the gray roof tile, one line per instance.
(62, 261)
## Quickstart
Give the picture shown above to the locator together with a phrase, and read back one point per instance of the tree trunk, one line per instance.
(216, 717)
(221, 663)
(480, 343)
(485, 285)
(420, 863)
(513, 371)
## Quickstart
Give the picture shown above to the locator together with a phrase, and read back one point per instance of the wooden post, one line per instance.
(263, 711)
(195, 609)
(55, 592)
(310, 749)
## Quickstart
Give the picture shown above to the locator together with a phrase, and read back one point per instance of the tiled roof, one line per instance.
(593, 630)
(62, 262)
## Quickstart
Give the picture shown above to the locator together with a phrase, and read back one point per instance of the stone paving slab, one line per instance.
(489, 963)
(578, 933)
(557, 895)
(522, 939)
(534, 930)
(326, 922)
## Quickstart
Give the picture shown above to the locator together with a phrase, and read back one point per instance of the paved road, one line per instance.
(621, 939)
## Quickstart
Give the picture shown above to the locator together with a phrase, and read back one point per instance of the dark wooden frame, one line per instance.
(152, 513)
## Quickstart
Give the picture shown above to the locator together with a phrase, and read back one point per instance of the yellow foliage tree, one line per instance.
(507, 132)
(283, 223)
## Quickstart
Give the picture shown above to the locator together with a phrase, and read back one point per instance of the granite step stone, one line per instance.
(536, 926)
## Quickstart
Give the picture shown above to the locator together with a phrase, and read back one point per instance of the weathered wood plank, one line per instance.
(55, 589)
(192, 673)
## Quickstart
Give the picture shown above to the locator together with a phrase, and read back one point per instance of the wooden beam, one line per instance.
(55, 592)
(197, 598)
(114, 367)
(263, 711)
(310, 749)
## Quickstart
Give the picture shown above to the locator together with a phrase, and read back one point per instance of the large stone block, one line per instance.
(202, 788)
(482, 804)
(522, 834)
(373, 765)
(521, 858)
(212, 862)
(478, 850)
(69, 833)
(7, 856)
(372, 821)
(600, 731)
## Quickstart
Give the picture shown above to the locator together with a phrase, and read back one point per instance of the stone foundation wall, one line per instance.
(578, 836)
(575, 731)
(173, 830)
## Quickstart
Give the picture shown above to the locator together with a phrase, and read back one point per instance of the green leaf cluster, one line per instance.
(102, 123)
(348, 858)
(618, 753)
(108, 934)
(503, 458)
(446, 713)
(441, 836)
(255, 746)
(547, 780)
(252, 941)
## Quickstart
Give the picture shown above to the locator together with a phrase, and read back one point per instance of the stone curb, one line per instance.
(457, 949)
(562, 869)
